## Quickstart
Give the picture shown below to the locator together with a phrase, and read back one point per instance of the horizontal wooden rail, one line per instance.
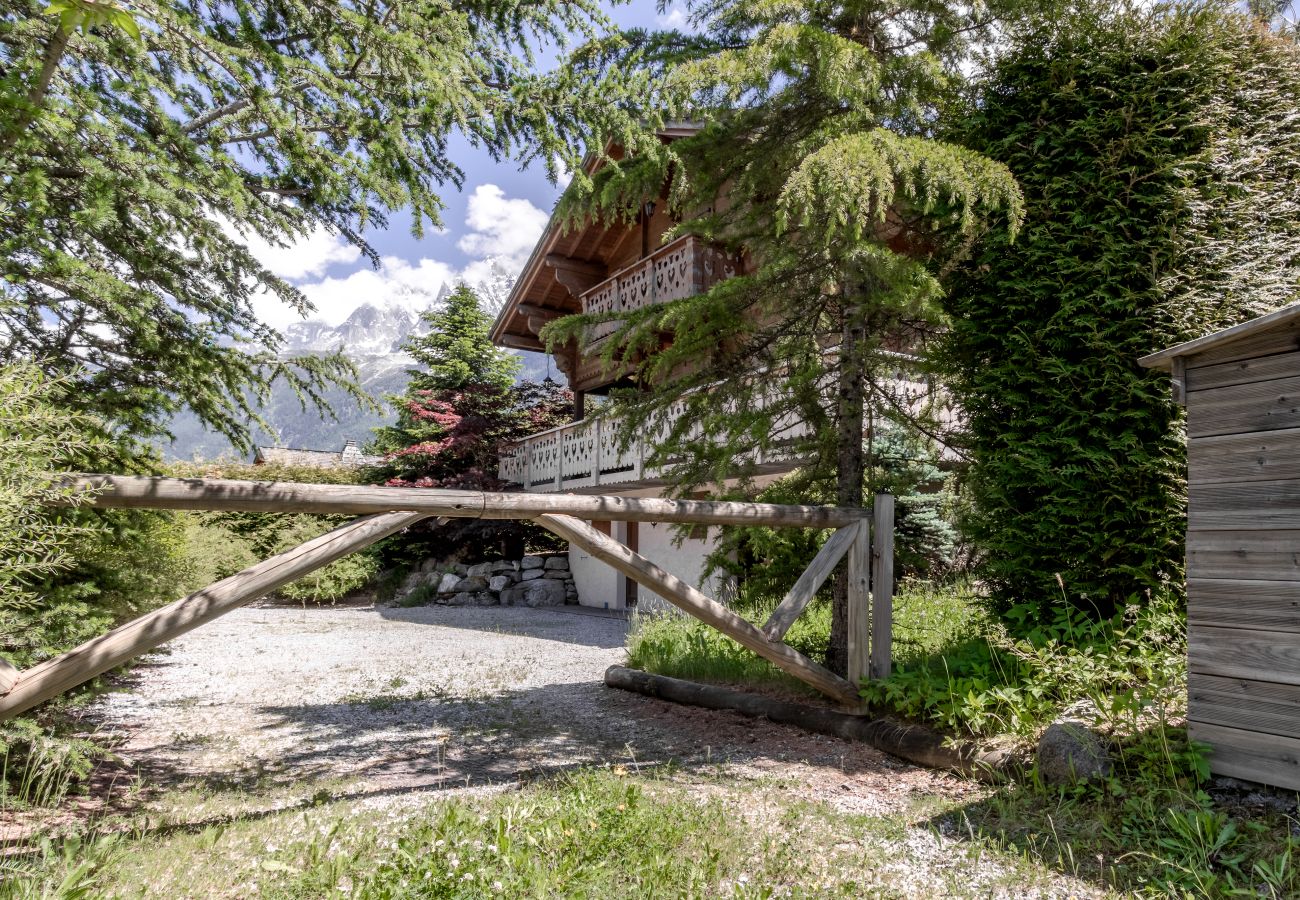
(703, 607)
(98, 655)
(129, 491)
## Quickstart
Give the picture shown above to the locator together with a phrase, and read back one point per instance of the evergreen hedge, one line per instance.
(1158, 152)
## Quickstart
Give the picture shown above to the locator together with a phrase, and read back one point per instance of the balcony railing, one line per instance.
(586, 454)
(683, 268)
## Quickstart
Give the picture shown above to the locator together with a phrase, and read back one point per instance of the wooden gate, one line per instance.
(387, 510)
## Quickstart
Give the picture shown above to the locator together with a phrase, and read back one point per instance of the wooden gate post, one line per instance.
(98, 655)
(882, 587)
(859, 599)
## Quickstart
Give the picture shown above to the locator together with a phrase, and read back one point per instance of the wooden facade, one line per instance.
(1241, 387)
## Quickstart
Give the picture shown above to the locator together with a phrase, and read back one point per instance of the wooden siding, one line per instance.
(1243, 554)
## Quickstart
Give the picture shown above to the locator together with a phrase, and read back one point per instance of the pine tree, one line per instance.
(137, 148)
(818, 122)
(459, 409)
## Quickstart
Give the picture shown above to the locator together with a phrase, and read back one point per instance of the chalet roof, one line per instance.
(349, 457)
(1164, 359)
(585, 247)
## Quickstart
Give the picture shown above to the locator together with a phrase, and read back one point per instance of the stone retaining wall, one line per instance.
(531, 581)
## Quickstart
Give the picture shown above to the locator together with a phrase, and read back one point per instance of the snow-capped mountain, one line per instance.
(372, 337)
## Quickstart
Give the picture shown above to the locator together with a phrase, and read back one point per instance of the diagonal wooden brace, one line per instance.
(799, 596)
(98, 655)
(704, 608)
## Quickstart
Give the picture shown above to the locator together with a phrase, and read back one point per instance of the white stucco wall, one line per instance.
(602, 587)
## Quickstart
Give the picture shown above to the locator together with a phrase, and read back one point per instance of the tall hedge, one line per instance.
(1158, 152)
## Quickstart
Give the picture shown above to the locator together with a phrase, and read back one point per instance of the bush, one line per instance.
(1138, 138)
(219, 544)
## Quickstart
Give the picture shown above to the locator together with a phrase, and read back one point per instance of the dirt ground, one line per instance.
(398, 702)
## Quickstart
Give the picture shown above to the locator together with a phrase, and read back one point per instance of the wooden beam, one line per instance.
(882, 587)
(518, 342)
(576, 275)
(98, 655)
(141, 492)
(859, 598)
(798, 597)
(533, 311)
(704, 608)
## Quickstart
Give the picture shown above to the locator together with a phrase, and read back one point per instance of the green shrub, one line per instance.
(1138, 137)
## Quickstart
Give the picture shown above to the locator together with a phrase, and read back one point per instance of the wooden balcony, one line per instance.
(679, 269)
(585, 457)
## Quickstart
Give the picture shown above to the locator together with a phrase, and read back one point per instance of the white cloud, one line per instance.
(501, 233)
(502, 226)
(675, 17)
(308, 257)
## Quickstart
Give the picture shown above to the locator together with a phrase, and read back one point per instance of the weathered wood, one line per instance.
(693, 601)
(1256, 506)
(1244, 703)
(858, 575)
(1266, 456)
(8, 675)
(1240, 653)
(1250, 555)
(806, 587)
(126, 491)
(1242, 371)
(1240, 408)
(519, 342)
(1285, 340)
(98, 655)
(1257, 605)
(1178, 380)
(882, 587)
(1279, 324)
(910, 742)
(1250, 755)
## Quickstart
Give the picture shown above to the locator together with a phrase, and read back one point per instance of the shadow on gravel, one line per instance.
(544, 624)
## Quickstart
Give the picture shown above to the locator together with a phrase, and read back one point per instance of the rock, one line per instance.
(486, 598)
(537, 592)
(429, 565)
(531, 562)
(557, 562)
(499, 583)
(448, 583)
(464, 598)
(502, 565)
(530, 574)
(557, 575)
(480, 569)
(1070, 752)
(459, 568)
(472, 583)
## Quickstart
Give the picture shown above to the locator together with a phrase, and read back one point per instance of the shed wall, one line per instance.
(1243, 555)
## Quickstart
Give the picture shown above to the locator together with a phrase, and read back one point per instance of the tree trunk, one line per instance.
(849, 474)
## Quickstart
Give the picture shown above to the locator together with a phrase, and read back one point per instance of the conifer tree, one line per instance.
(137, 147)
(459, 409)
(817, 160)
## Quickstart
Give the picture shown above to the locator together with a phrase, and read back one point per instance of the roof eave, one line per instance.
(1164, 359)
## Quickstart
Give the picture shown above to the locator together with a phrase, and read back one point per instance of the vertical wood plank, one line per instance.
(859, 575)
(882, 587)
(1178, 371)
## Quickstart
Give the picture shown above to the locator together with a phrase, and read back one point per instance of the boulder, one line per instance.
(472, 583)
(429, 565)
(1070, 752)
(537, 592)
(464, 598)
(531, 562)
(556, 575)
(557, 562)
(486, 598)
(530, 574)
(502, 565)
(499, 583)
(459, 568)
(484, 569)
(448, 583)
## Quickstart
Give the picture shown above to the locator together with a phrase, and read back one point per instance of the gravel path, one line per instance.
(443, 698)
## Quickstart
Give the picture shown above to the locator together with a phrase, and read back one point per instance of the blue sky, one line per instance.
(497, 217)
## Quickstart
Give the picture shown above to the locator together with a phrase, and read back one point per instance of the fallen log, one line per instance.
(913, 743)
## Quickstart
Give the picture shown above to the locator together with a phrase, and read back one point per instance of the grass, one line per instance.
(926, 621)
(601, 833)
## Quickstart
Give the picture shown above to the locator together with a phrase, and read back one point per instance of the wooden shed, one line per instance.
(1241, 387)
